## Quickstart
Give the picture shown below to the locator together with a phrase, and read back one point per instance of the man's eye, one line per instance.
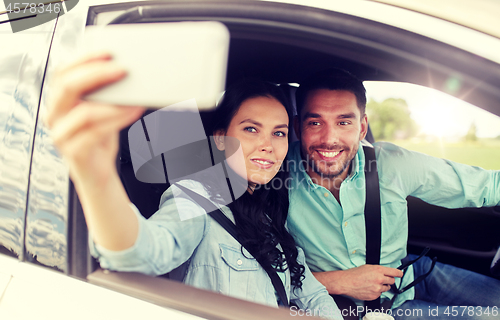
(344, 123)
(250, 129)
(314, 123)
(280, 134)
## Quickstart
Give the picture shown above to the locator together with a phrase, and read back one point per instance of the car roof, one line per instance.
(481, 15)
(432, 23)
(475, 27)
(286, 40)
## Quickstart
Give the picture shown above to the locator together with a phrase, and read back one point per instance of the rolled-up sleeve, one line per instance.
(164, 241)
(439, 181)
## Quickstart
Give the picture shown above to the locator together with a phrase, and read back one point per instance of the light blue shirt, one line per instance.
(168, 239)
(333, 235)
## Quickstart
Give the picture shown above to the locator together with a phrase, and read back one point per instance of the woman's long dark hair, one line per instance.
(260, 217)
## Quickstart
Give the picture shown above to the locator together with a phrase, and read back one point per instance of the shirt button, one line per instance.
(345, 224)
(239, 262)
(326, 194)
(354, 252)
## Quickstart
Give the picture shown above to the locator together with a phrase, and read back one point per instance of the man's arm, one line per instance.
(437, 181)
(366, 282)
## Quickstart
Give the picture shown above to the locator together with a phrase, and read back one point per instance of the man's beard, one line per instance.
(318, 166)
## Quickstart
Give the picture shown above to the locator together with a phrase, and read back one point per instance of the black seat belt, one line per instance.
(373, 227)
(373, 217)
(230, 227)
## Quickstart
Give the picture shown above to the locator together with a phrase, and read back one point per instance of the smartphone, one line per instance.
(166, 62)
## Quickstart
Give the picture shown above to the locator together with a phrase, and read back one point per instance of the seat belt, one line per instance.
(373, 217)
(230, 227)
(373, 226)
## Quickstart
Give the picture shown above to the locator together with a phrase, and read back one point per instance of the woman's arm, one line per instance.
(165, 241)
(87, 134)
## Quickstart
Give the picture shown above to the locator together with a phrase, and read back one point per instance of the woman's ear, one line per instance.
(219, 139)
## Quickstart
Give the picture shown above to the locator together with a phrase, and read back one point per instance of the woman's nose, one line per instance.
(266, 145)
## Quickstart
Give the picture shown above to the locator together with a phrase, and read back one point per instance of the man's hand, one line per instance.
(364, 283)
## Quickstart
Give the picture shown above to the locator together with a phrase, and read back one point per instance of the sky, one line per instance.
(437, 113)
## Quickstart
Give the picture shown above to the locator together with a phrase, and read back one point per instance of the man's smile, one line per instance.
(329, 155)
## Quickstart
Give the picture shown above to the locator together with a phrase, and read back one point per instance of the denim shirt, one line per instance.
(181, 231)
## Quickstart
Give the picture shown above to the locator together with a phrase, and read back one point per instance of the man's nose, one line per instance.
(330, 134)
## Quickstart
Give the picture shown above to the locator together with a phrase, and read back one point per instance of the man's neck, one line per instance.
(331, 183)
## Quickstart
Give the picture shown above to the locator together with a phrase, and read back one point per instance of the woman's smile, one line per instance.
(263, 163)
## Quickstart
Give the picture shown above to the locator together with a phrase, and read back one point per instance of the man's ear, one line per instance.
(296, 126)
(364, 127)
(219, 139)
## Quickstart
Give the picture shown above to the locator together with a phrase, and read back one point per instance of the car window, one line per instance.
(21, 75)
(433, 122)
(14, 160)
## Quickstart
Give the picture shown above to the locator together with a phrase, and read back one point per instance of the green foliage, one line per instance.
(471, 134)
(483, 153)
(390, 119)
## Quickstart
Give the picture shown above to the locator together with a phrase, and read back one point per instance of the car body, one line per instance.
(43, 236)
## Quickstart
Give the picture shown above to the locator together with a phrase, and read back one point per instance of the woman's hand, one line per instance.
(87, 136)
(87, 133)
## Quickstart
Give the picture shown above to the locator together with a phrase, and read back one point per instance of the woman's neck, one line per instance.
(251, 188)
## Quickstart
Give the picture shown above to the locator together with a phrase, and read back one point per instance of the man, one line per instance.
(327, 200)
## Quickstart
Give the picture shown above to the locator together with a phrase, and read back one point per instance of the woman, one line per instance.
(253, 113)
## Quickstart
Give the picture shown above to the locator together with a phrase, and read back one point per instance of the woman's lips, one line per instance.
(262, 163)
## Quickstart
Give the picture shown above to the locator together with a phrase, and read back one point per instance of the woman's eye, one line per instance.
(250, 129)
(280, 134)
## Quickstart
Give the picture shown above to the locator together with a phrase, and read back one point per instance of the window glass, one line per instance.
(46, 231)
(14, 159)
(22, 67)
(432, 122)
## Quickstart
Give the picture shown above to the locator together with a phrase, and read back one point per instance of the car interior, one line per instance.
(286, 48)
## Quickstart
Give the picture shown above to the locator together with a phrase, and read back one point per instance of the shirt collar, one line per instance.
(358, 164)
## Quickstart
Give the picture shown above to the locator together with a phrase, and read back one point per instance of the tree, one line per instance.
(471, 134)
(390, 119)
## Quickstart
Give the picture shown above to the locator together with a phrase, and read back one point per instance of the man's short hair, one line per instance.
(332, 79)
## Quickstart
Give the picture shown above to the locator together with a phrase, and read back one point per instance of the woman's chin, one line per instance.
(257, 181)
